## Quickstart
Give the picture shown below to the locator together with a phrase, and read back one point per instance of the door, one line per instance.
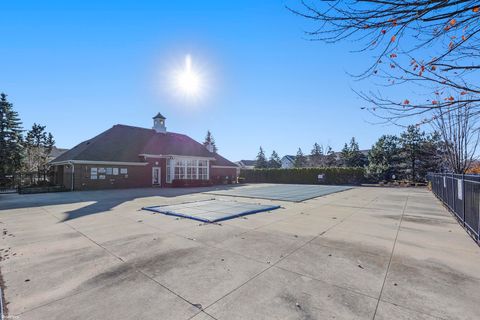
(156, 175)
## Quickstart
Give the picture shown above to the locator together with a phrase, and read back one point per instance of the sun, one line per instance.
(188, 81)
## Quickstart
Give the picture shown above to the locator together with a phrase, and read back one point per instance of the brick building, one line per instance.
(130, 157)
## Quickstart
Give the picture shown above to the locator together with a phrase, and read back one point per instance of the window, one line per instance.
(170, 170)
(93, 173)
(191, 169)
(203, 169)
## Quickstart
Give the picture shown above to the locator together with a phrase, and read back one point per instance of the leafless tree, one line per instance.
(461, 136)
(430, 47)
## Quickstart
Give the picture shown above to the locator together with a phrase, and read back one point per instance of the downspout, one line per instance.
(73, 175)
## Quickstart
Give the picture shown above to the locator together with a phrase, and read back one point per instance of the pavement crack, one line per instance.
(391, 256)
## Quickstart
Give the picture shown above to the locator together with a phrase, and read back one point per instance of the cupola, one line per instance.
(159, 123)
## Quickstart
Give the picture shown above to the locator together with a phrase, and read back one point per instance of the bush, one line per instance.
(332, 175)
(223, 179)
(41, 189)
(179, 183)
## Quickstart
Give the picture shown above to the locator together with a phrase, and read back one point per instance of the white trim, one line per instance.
(169, 156)
(225, 167)
(120, 163)
(172, 164)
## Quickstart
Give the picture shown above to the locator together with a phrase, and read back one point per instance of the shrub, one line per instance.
(179, 183)
(222, 179)
(41, 189)
(332, 175)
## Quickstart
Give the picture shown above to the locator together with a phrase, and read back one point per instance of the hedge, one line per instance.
(332, 175)
(180, 183)
(41, 189)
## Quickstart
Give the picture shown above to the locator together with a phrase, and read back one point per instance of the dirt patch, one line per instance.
(150, 265)
(418, 219)
(301, 306)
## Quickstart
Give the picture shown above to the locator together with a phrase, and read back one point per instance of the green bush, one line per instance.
(42, 189)
(332, 175)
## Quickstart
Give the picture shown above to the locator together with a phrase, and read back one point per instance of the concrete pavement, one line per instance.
(366, 253)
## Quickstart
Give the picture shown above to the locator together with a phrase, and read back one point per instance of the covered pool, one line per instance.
(283, 192)
(212, 210)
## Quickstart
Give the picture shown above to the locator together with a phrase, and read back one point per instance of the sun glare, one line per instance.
(188, 82)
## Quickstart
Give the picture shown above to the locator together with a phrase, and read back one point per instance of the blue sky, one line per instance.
(79, 67)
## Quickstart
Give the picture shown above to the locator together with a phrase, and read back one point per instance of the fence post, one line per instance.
(453, 194)
(464, 199)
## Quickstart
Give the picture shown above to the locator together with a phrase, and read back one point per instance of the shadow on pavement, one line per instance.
(103, 200)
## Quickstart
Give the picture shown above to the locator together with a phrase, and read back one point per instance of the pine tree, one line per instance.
(433, 155)
(210, 140)
(330, 158)
(261, 162)
(38, 145)
(274, 161)
(10, 138)
(300, 159)
(345, 155)
(420, 153)
(411, 142)
(383, 158)
(358, 159)
(316, 156)
(351, 155)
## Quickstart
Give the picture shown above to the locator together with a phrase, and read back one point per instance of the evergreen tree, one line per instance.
(383, 158)
(344, 155)
(10, 138)
(433, 154)
(330, 158)
(412, 142)
(300, 159)
(316, 156)
(38, 146)
(210, 140)
(261, 161)
(274, 161)
(351, 155)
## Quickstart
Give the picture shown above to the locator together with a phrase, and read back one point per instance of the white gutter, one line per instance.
(225, 167)
(119, 163)
(170, 156)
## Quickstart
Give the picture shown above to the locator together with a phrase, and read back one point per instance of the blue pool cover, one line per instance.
(282, 192)
(211, 210)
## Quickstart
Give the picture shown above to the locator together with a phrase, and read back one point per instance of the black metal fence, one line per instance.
(11, 183)
(461, 194)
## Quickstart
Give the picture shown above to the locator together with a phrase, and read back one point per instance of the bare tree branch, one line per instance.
(434, 45)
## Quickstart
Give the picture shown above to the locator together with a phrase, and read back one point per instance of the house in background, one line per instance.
(128, 157)
(288, 162)
(246, 164)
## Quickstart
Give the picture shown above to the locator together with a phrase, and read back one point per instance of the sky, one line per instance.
(80, 67)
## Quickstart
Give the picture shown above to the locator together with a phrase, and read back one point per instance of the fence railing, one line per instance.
(11, 183)
(461, 194)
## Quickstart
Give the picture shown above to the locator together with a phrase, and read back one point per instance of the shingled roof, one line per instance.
(221, 161)
(123, 143)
